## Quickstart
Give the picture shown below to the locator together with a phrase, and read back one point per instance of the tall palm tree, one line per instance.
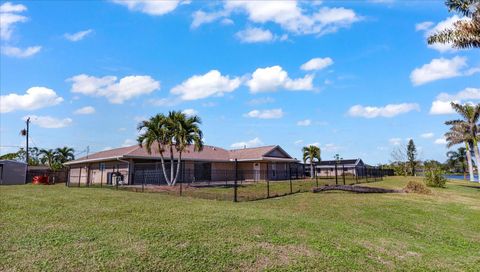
(459, 158)
(311, 153)
(174, 132)
(468, 125)
(464, 33)
(186, 132)
(49, 157)
(65, 154)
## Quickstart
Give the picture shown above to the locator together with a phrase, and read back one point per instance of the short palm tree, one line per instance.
(65, 154)
(49, 157)
(468, 126)
(459, 157)
(173, 132)
(458, 135)
(311, 153)
(464, 33)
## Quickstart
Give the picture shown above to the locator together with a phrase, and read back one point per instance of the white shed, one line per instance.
(12, 172)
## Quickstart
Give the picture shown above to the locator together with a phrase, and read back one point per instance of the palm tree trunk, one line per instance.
(162, 159)
(179, 164)
(477, 158)
(469, 161)
(311, 170)
(172, 165)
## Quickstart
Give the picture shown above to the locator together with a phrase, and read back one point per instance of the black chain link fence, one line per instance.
(234, 184)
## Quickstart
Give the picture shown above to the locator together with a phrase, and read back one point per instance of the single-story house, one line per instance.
(354, 167)
(12, 172)
(134, 165)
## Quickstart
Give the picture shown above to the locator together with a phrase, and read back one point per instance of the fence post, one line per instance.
(235, 182)
(343, 173)
(356, 175)
(79, 176)
(366, 174)
(336, 173)
(290, 176)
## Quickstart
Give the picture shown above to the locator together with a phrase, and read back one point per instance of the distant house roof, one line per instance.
(209, 153)
(354, 162)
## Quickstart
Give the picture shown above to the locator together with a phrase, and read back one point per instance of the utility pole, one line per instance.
(27, 157)
(26, 139)
(88, 150)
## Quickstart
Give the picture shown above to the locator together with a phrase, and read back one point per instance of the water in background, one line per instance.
(460, 177)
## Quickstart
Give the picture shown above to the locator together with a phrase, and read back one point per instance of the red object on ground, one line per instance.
(40, 180)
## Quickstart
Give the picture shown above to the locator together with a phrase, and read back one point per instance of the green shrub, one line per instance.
(434, 178)
(418, 187)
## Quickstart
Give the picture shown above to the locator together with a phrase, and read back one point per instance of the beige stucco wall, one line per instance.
(91, 172)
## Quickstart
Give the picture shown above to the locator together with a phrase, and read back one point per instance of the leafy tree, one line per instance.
(466, 129)
(311, 153)
(465, 33)
(412, 156)
(458, 158)
(174, 132)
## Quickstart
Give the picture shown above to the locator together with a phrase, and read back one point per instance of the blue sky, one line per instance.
(356, 78)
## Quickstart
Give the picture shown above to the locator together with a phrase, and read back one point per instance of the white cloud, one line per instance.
(304, 123)
(291, 17)
(48, 121)
(274, 77)
(9, 17)
(251, 143)
(265, 114)
(390, 110)
(316, 64)
(34, 98)
(427, 135)
(115, 91)
(395, 141)
(255, 35)
(430, 28)
(78, 36)
(441, 141)
(9, 7)
(260, 101)
(190, 112)
(209, 84)
(298, 142)
(330, 147)
(85, 110)
(442, 104)
(200, 17)
(423, 26)
(441, 68)
(129, 142)
(150, 7)
(16, 52)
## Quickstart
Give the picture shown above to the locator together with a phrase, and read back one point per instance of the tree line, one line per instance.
(53, 158)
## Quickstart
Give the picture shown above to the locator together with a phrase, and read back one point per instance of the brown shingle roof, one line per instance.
(250, 153)
(209, 153)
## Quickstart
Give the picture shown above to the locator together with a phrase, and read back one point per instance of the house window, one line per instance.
(101, 166)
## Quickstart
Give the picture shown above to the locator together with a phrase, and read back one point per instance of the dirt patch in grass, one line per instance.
(268, 255)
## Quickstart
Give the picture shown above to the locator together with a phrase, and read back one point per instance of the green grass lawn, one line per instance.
(85, 229)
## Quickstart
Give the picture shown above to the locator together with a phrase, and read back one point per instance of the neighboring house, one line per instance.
(12, 172)
(354, 167)
(134, 165)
